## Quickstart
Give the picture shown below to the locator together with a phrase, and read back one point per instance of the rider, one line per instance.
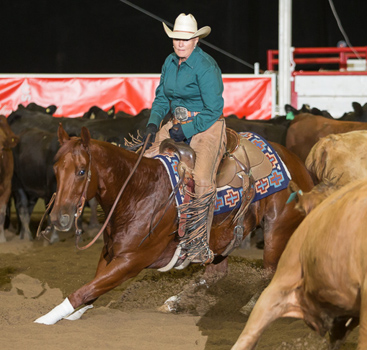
(191, 90)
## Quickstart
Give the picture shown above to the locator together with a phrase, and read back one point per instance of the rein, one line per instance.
(82, 201)
(43, 218)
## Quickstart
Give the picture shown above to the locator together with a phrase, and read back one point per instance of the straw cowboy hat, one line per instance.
(186, 28)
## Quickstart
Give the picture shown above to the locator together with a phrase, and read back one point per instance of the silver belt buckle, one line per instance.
(181, 114)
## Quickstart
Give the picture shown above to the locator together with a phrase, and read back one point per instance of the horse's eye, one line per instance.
(81, 172)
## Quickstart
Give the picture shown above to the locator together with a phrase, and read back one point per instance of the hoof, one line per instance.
(170, 305)
(246, 310)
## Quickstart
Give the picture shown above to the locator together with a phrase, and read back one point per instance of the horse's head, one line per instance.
(73, 170)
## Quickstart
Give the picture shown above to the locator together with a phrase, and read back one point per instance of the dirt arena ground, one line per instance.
(35, 277)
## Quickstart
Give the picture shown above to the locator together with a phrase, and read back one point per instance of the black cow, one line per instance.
(37, 108)
(119, 129)
(359, 113)
(122, 114)
(23, 119)
(33, 177)
(96, 112)
(111, 129)
(272, 130)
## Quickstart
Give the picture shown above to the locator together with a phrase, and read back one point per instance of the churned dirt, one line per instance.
(35, 277)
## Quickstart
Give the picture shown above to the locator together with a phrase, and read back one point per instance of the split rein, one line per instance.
(82, 200)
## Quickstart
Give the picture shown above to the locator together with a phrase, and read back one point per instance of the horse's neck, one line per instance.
(114, 166)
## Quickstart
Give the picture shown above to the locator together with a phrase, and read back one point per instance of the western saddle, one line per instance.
(242, 157)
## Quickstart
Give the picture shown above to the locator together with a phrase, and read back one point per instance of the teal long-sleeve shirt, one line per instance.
(196, 85)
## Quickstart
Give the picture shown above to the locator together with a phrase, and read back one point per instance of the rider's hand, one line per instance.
(176, 133)
(152, 130)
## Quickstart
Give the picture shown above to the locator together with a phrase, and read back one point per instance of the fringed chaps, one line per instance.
(199, 215)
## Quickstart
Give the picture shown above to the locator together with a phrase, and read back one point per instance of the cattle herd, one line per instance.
(323, 284)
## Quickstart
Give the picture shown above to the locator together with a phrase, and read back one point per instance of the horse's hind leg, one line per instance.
(276, 236)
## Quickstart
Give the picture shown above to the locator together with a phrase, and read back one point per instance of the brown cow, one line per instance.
(8, 140)
(334, 161)
(307, 129)
(321, 276)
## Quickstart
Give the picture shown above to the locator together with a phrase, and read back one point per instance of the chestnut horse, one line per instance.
(139, 233)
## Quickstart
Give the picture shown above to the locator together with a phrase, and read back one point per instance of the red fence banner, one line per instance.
(250, 96)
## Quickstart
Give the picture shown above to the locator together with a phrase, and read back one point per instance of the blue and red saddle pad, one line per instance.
(229, 198)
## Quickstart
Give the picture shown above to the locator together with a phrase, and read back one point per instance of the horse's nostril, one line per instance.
(64, 220)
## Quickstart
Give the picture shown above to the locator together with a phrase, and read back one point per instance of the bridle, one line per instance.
(81, 203)
(79, 207)
(82, 200)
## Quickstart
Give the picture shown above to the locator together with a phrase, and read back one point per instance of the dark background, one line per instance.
(108, 36)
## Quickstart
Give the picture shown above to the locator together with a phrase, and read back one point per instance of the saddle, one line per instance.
(241, 152)
(243, 163)
(241, 157)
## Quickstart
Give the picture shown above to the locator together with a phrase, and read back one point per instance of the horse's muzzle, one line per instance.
(62, 220)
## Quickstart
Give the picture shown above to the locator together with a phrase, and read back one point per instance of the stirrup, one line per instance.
(204, 256)
(196, 253)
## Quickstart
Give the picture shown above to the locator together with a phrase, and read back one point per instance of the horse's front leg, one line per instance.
(109, 276)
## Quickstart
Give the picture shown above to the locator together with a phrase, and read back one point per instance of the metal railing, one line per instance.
(321, 56)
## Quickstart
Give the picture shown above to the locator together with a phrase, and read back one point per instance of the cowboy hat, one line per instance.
(186, 28)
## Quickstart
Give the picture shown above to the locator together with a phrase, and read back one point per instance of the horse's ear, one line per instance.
(62, 134)
(85, 135)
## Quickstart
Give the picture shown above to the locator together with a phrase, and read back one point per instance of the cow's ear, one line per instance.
(294, 192)
(292, 187)
(62, 134)
(85, 135)
(12, 141)
(358, 109)
(289, 108)
(111, 112)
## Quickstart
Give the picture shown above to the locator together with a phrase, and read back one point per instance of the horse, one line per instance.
(140, 230)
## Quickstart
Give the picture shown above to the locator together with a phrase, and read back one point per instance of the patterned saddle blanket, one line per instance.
(229, 198)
